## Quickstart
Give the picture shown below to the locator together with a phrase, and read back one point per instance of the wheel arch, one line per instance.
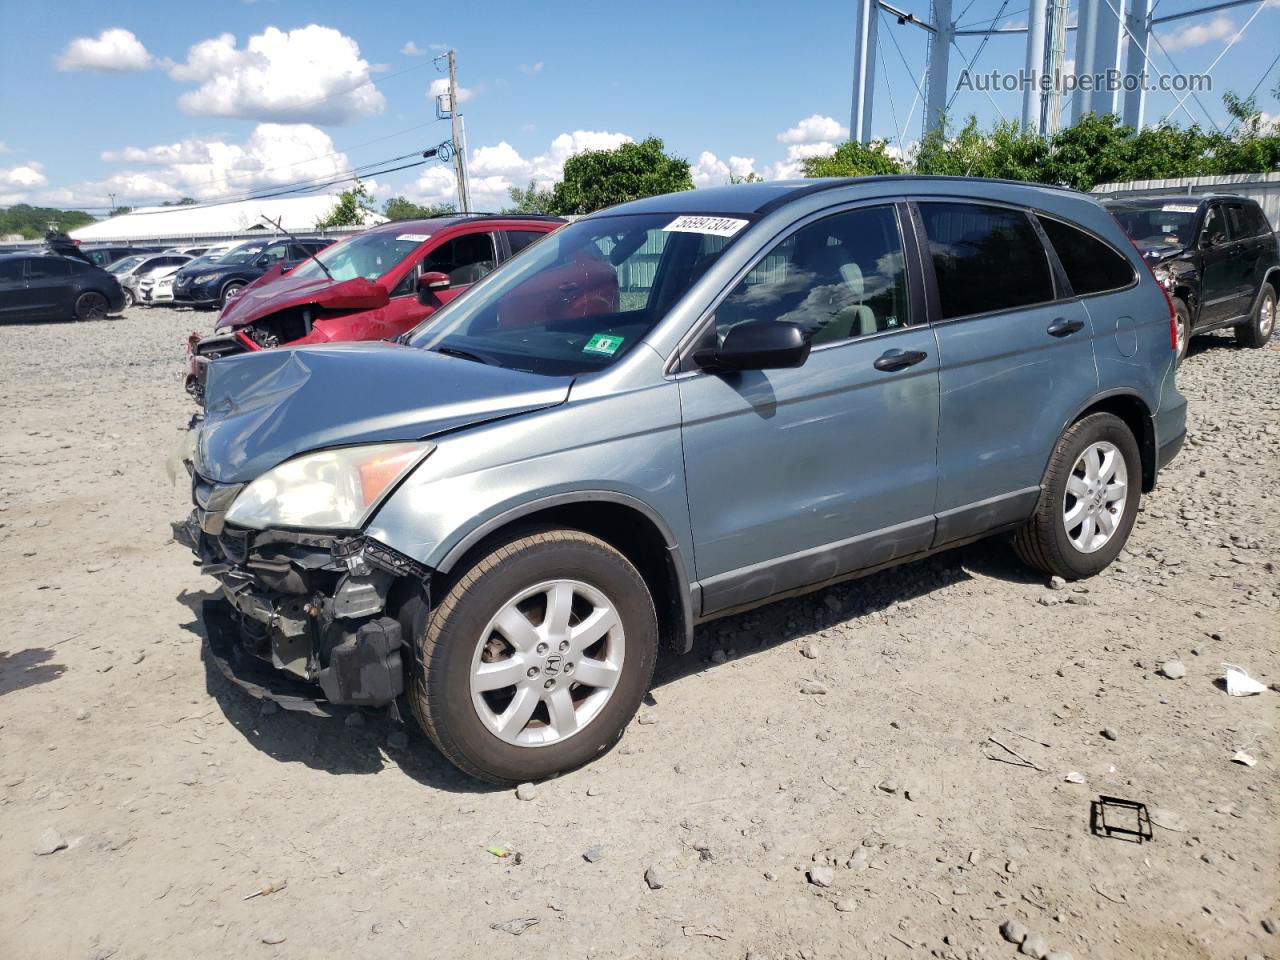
(1133, 410)
(629, 525)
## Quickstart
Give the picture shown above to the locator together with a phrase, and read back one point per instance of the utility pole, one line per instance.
(459, 148)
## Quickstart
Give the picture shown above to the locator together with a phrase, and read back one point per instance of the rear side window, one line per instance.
(519, 239)
(1091, 265)
(985, 258)
(43, 268)
(1246, 220)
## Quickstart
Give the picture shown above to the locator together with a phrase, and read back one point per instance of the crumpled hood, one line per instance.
(267, 406)
(1153, 252)
(260, 299)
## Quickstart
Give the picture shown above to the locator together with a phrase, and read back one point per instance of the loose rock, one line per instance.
(526, 791)
(594, 853)
(822, 876)
(813, 687)
(1173, 669)
(1109, 734)
(397, 740)
(1035, 946)
(1013, 931)
(655, 877)
(48, 842)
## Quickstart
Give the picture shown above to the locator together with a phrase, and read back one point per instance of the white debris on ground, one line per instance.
(822, 783)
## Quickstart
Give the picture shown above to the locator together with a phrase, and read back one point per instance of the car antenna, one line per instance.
(310, 252)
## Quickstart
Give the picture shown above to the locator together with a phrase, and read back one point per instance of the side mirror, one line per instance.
(262, 261)
(757, 345)
(431, 283)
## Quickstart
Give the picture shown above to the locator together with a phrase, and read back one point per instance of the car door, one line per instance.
(14, 301)
(49, 291)
(1016, 361)
(1219, 269)
(802, 475)
(463, 257)
(1246, 225)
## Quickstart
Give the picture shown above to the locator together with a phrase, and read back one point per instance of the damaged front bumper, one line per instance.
(303, 617)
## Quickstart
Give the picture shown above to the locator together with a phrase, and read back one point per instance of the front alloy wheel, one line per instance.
(536, 656)
(1094, 502)
(547, 663)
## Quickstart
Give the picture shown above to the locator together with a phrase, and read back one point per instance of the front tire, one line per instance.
(1088, 502)
(536, 658)
(234, 286)
(91, 306)
(1182, 319)
(130, 300)
(1258, 330)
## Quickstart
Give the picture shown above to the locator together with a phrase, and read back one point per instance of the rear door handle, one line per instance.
(1064, 328)
(899, 359)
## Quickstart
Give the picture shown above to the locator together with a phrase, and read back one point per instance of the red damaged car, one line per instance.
(375, 285)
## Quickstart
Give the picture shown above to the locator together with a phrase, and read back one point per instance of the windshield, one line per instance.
(1159, 222)
(367, 255)
(243, 253)
(125, 265)
(579, 299)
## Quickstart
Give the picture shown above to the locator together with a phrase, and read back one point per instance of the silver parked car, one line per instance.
(131, 271)
(662, 413)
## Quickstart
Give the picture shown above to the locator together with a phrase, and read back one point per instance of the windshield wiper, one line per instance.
(309, 252)
(463, 355)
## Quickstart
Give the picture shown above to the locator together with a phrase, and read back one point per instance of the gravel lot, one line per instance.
(875, 819)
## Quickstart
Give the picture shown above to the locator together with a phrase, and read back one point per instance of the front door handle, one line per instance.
(1064, 328)
(899, 359)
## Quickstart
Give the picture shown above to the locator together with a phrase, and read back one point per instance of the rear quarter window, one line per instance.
(1091, 265)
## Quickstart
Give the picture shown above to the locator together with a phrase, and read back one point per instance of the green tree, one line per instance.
(31, 222)
(120, 211)
(529, 200)
(853, 159)
(398, 208)
(601, 178)
(352, 209)
(749, 177)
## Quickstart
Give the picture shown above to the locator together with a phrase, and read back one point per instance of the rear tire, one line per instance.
(1088, 502)
(129, 299)
(91, 306)
(497, 617)
(1258, 330)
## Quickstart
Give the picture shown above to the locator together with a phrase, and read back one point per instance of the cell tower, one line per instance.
(1113, 39)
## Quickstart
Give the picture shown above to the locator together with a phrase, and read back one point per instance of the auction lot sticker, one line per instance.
(605, 344)
(415, 237)
(715, 226)
(1179, 208)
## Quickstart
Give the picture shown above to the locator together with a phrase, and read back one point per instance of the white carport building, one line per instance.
(216, 220)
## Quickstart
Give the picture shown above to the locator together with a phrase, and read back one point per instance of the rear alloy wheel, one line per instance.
(536, 658)
(129, 299)
(1088, 501)
(91, 306)
(1258, 331)
(1181, 328)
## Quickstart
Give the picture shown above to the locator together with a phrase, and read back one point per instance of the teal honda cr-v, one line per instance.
(662, 413)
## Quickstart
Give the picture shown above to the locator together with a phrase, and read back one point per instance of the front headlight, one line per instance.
(331, 489)
(203, 278)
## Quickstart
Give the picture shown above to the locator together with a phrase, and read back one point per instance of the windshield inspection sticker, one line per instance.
(605, 344)
(716, 226)
(415, 237)
(1179, 208)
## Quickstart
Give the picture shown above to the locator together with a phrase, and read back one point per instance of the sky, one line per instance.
(141, 102)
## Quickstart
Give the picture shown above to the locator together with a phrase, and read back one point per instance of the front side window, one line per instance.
(10, 271)
(578, 300)
(1091, 265)
(464, 260)
(276, 252)
(985, 258)
(242, 254)
(841, 277)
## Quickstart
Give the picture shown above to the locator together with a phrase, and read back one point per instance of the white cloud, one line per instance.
(311, 74)
(494, 170)
(206, 169)
(531, 68)
(441, 86)
(16, 183)
(1198, 34)
(814, 129)
(411, 49)
(115, 49)
(711, 171)
(790, 168)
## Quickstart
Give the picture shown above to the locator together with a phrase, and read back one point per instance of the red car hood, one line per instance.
(254, 303)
